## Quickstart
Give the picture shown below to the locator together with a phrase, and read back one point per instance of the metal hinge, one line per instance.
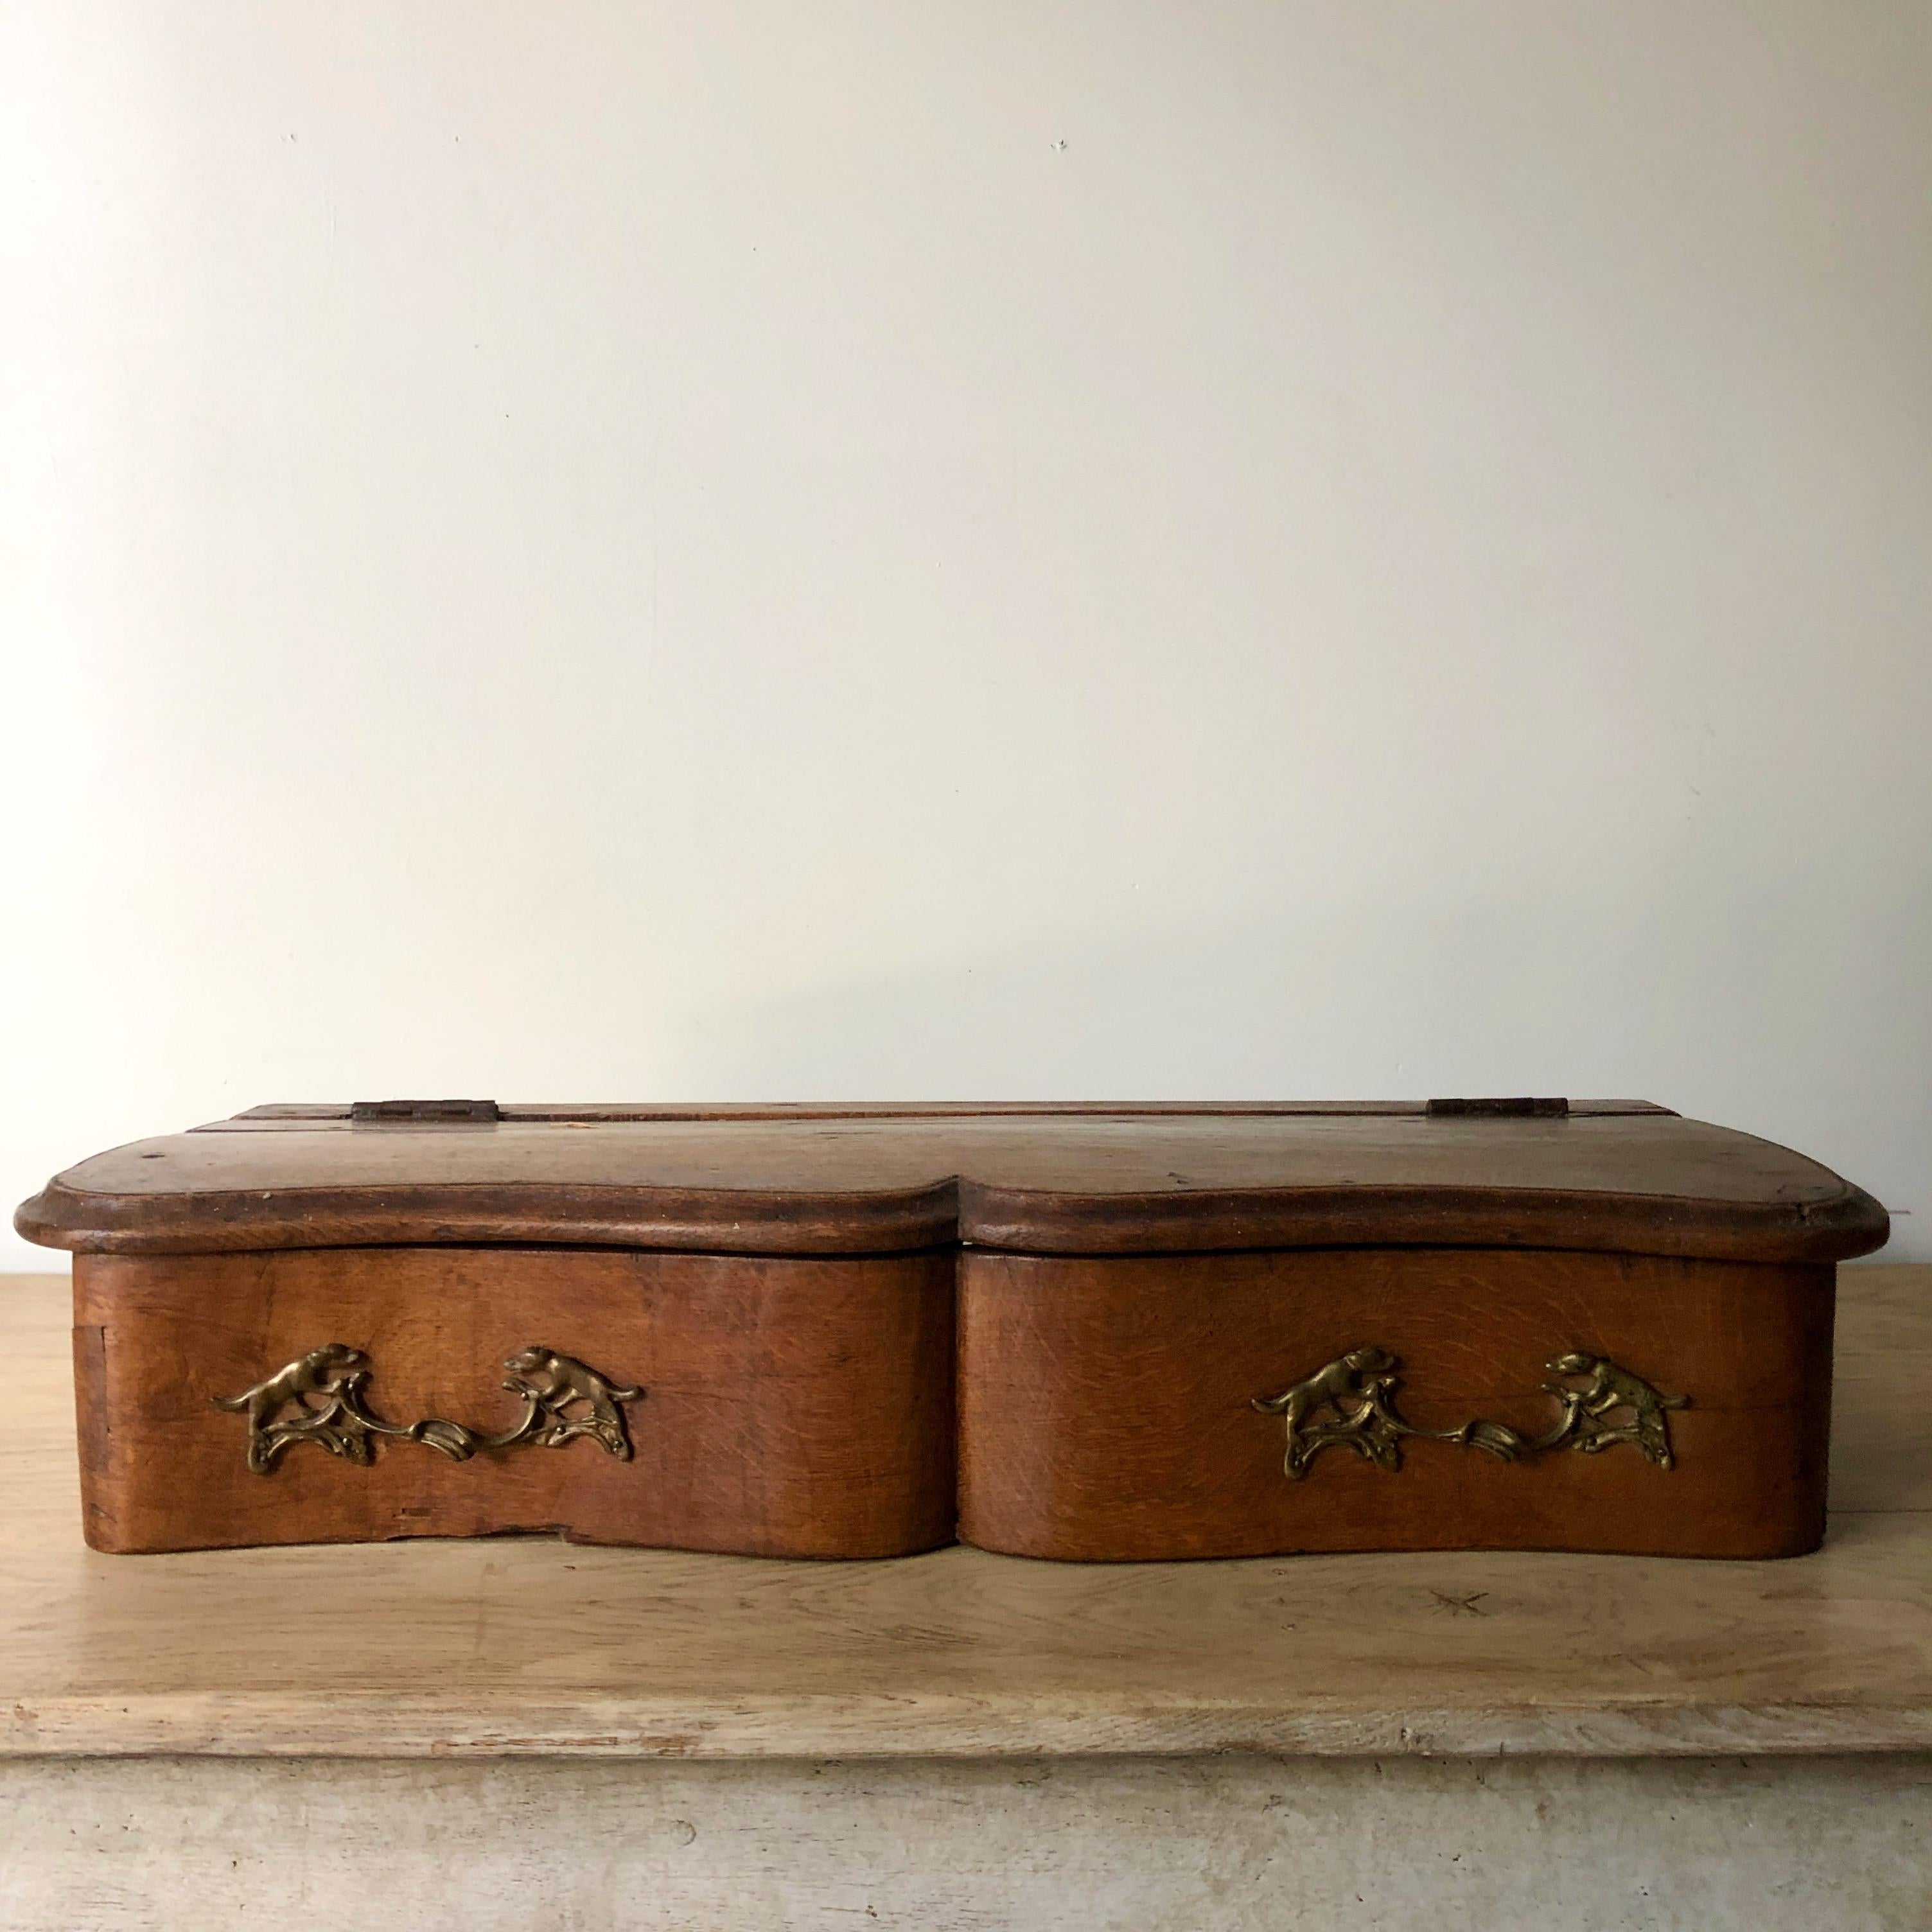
(1493, 1110)
(424, 1110)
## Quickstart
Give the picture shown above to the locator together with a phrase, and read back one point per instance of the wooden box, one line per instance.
(1180, 1331)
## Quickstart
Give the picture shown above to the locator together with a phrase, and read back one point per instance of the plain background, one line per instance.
(888, 549)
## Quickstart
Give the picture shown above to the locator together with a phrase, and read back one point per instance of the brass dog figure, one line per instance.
(1611, 1388)
(319, 1398)
(1345, 1401)
(1350, 1403)
(334, 1373)
(565, 1382)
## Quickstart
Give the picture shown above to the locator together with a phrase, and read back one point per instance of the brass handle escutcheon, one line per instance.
(1350, 1403)
(320, 1398)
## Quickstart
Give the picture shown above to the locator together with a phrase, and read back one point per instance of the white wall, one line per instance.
(886, 550)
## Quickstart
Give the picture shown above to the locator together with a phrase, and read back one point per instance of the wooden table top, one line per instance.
(526, 1646)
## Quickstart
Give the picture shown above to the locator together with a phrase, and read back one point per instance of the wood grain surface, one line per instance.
(795, 1408)
(525, 1645)
(1070, 1181)
(1106, 1408)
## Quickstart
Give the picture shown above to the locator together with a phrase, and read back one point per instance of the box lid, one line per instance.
(1618, 1176)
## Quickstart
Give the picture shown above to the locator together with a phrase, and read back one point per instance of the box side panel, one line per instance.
(93, 1436)
(797, 1408)
(1108, 1407)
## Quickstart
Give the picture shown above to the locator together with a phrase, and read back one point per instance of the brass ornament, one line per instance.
(1350, 1403)
(565, 1382)
(320, 1398)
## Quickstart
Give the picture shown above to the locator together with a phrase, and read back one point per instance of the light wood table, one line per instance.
(517, 1733)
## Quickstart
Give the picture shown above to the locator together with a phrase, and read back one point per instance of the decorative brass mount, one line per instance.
(1350, 1403)
(320, 1399)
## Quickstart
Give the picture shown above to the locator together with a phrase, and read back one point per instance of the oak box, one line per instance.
(1106, 1332)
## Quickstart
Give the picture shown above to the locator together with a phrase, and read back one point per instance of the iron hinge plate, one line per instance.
(419, 1111)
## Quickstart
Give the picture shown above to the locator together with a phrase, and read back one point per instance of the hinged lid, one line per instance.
(1618, 1176)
